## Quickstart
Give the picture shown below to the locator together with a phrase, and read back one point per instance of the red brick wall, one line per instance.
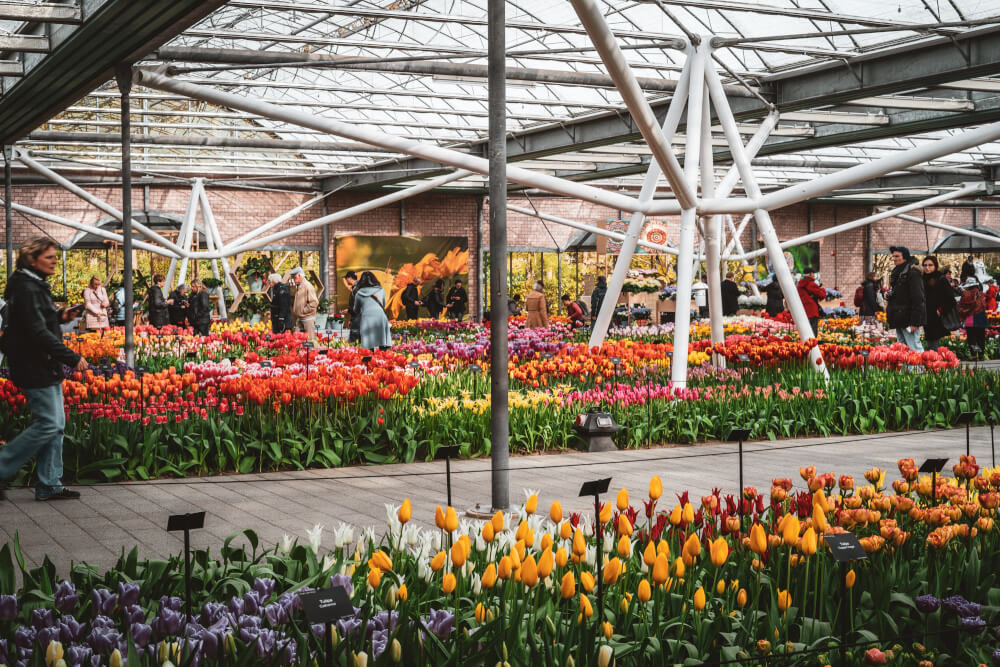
(447, 214)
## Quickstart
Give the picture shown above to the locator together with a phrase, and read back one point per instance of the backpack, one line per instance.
(583, 307)
(859, 296)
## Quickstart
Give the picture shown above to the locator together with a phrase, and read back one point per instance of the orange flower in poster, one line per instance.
(456, 261)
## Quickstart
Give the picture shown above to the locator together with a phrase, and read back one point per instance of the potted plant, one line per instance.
(212, 285)
(322, 313)
(255, 269)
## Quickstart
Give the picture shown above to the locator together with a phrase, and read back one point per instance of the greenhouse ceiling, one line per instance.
(853, 81)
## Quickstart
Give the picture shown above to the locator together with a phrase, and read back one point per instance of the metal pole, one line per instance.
(941, 225)
(499, 411)
(124, 77)
(8, 194)
(324, 254)
(559, 281)
(480, 287)
(90, 229)
(65, 289)
(685, 245)
(670, 123)
(713, 233)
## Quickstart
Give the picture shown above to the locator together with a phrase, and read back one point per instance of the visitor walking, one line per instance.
(730, 296)
(811, 294)
(35, 356)
(159, 307)
(458, 302)
(868, 308)
(411, 299)
(369, 309)
(435, 300)
(972, 311)
(597, 296)
(95, 299)
(990, 289)
(305, 304)
(354, 331)
(905, 309)
(940, 301)
(573, 311)
(514, 306)
(968, 269)
(178, 308)
(775, 297)
(281, 304)
(536, 307)
(199, 308)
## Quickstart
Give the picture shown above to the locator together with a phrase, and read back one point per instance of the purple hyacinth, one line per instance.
(953, 603)
(66, 597)
(927, 603)
(973, 625)
(8, 607)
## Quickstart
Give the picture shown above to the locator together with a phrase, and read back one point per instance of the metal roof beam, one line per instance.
(52, 137)
(11, 68)
(39, 13)
(24, 43)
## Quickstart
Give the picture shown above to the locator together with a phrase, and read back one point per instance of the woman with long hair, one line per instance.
(369, 307)
(940, 300)
(95, 300)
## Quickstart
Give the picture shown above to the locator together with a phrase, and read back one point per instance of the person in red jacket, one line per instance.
(990, 289)
(573, 311)
(811, 293)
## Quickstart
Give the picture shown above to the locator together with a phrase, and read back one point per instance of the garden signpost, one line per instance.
(596, 488)
(186, 523)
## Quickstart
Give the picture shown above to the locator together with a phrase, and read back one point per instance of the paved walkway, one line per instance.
(112, 517)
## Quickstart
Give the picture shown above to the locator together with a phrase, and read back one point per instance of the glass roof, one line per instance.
(766, 41)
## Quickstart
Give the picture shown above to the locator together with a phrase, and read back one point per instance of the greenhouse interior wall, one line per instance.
(237, 211)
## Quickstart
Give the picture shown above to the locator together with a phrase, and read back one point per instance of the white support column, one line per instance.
(670, 123)
(186, 232)
(685, 246)
(206, 216)
(763, 218)
(212, 229)
(737, 232)
(713, 230)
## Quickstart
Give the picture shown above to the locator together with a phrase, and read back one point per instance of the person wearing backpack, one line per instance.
(811, 293)
(36, 356)
(972, 311)
(866, 298)
(730, 296)
(573, 311)
(940, 300)
(906, 311)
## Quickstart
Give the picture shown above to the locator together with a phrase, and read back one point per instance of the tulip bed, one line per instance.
(722, 578)
(245, 400)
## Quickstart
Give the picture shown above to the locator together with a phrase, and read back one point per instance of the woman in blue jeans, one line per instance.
(36, 355)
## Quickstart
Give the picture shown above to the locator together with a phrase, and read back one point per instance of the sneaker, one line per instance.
(62, 494)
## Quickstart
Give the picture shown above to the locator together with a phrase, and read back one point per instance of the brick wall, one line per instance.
(238, 211)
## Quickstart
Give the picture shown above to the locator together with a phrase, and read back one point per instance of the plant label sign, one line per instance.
(845, 547)
(193, 521)
(327, 605)
(447, 452)
(932, 465)
(596, 487)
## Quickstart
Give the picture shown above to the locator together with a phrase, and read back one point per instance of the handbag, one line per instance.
(949, 320)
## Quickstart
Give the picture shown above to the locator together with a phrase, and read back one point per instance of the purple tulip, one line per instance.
(927, 603)
(8, 607)
(24, 636)
(78, 655)
(70, 629)
(252, 602)
(42, 618)
(66, 597)
(104, 601)
(133, 614)
(128, 594)
(277, 613)
(348, 627)
(236, 606)
(46, 635)
(141, 634)
(380, 640)
(344, 582)
(171, 602)
(441, 622)
(167, 622)
(3, 652)
(969, 609)
(264, 588)
(973, 625)
(102, 622)
(103, 640)
(95, 661)
(264, 645)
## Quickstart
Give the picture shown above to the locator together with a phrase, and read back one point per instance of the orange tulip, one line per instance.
(655, 488)
(784, 600)
(719, 551)
(758, 540)
(624, 525)
(505, 568)
(545, 563)
(374, 577)
(579, 543)
(676, 515)
(448, 583)
(741, 597)
(458, 554)
(645, 592)
(488, 533)
(529, 572)
(587, 580)
(819, 518)
(608, 630)
(605, 514)
(649, 554)
(624, 547)
(612, 571)
(661, 569)
(555, 512)
(546, 542)
(621, 501)
(450, 520)
(497, 522)
(402, 593)
(692, 546)
(438, 561)
(439, 517)
(565, 530)
(699, 599)
(532, 504)
(809, 542)
(380, 560)
(405, 511)
(679, 568)
(790, 531)
(561, 557)
(568, 586)
(663, 547)
(489, 576)
(688, 513)
(585, 607)
(850, 578)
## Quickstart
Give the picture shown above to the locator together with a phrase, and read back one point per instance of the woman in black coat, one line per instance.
(940, 299)
(200, 308)
(775, 298)
(435, 300)
(159, 313)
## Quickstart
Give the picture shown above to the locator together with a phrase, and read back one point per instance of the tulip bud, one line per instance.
(439, 517)
(586, 607)
(480, 613)
(655, 488)
(448, 583)
(529, 572)
(688, 514)
(60, 663)
(679, 567)
(450, 520)
(570, 662)
(402, 593)
(605, 514)
(405, 511)
(374, 577)
(699, 599)
(720, 587)
(438, 561)
(621, 501)
(53, 652)
(784, 600)
(116, 659)
(661, 569)
(561, 557)
(568, 587)
(624, 525)
(390, 597)
(741, 597)
(587, 580)
(497, 521)
(397, 651)
(676, 515)
(579, 543)
(565, 530)
(624, 547)
(645, 592)
(488, 533)
(850, 578)
(604, 655)
(361, 659)
(532, 504)
(555, 512)
(649, 554)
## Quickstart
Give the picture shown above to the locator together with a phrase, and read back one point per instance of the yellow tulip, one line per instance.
(546, 542)
(655, 488)
(374, 577)
(561, 557)
(438, 561)
(758, 540)
(621, 501)
(532, 504)
(517, 555)
(488, 533)
(555, 512)
(458, 554)
(679, 567)
(529, 572)
(692, 546)
(505, 568)
(586, 607)
(439, 517)
(624, 547)
(850, 578)
(676, 515)
(450, 520)
(819, 518)
(545, 563)
(565, 530)
(790, 531)
(568, 586)
(116, 659)
(661, 569)
(53, 652)
(448, 583)
(699, 599)
(497, 521)
(605, 514)
(645, 591)
(587, 580)
(719, 551)
(624, 525)
(809, 542)
(405, 511)
(741, 597)
(784, 600)
(480, 612)
(612, 571)
(663, 547)
(608, 630)
(720, 587)
(579, 543)
(688, 513)
(396, 652)
(489, 577)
